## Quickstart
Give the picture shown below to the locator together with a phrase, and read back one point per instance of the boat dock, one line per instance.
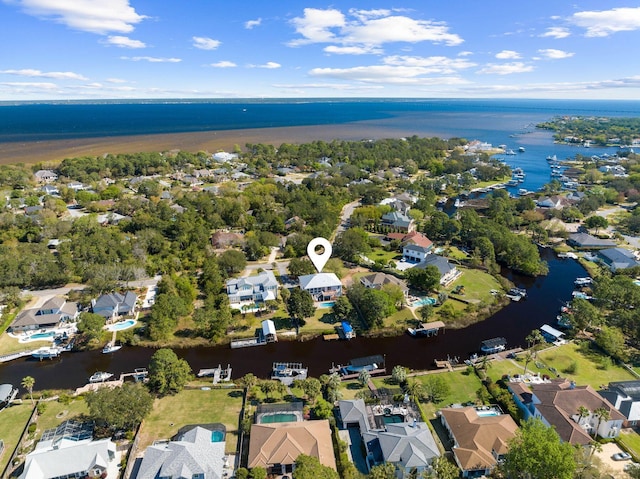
(286, 373)
(246, 343)
(374, 365)
(427, 329)
(219, 374)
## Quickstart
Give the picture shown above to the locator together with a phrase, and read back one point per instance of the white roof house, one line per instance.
(193, 455)
(252, 289)
(73, 459)
(322, 286)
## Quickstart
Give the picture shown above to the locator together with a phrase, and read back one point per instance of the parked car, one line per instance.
(621, 456)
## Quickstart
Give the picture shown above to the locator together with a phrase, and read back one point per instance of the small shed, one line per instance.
(347, 330)
(269, 331)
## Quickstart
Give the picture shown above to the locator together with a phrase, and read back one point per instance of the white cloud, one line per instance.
(553, 54)
(556, 32)
(315, 25)
(96, 16)
(116, 80)
(125, 42)
(367, 29)
(606, 22)
(38, 85)
(27, 72)
(205, 43)
(152, 59)
(388, 74)
(330, 86)
(505, 68)
(269, 65)
(353, 50)
(224, 64)
(430, 65)
(508, 55)
(253, 23)
(465, 54)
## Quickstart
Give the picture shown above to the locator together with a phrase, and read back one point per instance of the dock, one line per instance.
(427, 329)
(286, 373)
(330, 337)
(219, 374)
(246, 343)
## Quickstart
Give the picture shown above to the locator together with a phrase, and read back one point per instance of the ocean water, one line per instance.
(509, 122)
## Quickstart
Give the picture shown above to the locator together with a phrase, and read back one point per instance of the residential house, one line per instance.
(480, 437)
(398, 221)
(397, 205)
(587, 241)
(448, 272)
(617, 258)
(414, 253)
(322, 286)
(51, 190)
(556, 202)
(379, 280)
(193, 454)
(224, 157)
(224, 239)
(615, 170)
(53, 312)
(295, 221)
(111, 218)
(409, 446)
(276, 446)
(252, 290)
(557, 403)
(417, 239)
(625, 397)
(69, 451)
(114, 305)
(46, 176)
(7, 394)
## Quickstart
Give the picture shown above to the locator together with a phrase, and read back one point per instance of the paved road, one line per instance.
(345, 214)
(632, 240)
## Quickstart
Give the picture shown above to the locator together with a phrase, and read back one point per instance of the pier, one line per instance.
(427, 329)
(219, 374)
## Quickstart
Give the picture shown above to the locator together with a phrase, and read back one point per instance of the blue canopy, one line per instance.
(346, 327)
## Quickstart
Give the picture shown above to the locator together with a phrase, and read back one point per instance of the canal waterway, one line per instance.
(545, 296)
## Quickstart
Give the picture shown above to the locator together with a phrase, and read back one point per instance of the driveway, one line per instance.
(615, 468)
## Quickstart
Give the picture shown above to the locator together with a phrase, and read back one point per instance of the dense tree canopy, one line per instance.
(120, 408)
(167, 373)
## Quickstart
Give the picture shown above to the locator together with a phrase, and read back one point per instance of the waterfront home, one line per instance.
(70, 451)
(417, 239)
(398, 221)
(617, 258)
(113, 306)
(414, 253)
(252, 291)
(557, 404)
(556, 202)
(480, 437)
(45, 176)
(448, 272)
(224, 157)
(625, 397)
(197, 452)
(276, 446)
(408, 445)
(379, 280)
(322, 286)
(53, 312)
(587, 241)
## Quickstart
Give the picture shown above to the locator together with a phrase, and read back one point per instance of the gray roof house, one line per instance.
(113, 305)
(49, 315)
(84, 458)
(379, 280)
(408, 445)
(625, 397)
(587, 241)
(252, 289)
(398, 221)
(194, 454)
(617, 258)
(448, 272)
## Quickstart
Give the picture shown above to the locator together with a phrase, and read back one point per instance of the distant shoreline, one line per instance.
(211, 141)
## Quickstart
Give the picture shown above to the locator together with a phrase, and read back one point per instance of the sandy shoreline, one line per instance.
(210, 141)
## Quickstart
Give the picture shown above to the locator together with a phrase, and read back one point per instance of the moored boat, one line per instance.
(493, 345)
(521, 149)
(46, 352)
(111, 348)
(100, 376)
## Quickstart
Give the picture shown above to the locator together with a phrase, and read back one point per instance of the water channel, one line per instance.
(545, 296)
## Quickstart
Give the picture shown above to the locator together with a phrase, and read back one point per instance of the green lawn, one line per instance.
(12, 422)
(55, 412)
(477, 285)
(193, 406)
(380, 254)
(630, 440)
(463, 388)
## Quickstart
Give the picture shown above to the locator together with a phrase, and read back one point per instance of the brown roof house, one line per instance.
(557, 403)
(276, 446)
(223, 239)
(379, 280)
(480, 435)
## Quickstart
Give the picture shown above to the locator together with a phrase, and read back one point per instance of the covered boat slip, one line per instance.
(493, 345)
(427, 329)
(551, 334)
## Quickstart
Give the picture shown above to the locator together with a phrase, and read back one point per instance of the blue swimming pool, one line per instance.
(122, 325)
(424, 301)
(47, 335)
(487, 413)
(217, 436)
(327, 304)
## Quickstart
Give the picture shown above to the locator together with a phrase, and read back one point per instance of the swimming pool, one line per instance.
(217, 436)
(47, 335)
(327, 304)
(278, 417)
(129, 323)
(424, 301)
(487, 413)
(393, 418)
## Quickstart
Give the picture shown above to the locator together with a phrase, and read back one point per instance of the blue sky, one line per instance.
(93, 49)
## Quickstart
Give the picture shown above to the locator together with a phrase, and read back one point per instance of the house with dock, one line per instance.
(252, 291)
(321, 286)
(113, 306)
(53, 312)
(380, 280)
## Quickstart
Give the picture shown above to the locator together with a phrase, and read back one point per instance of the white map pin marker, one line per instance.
(319, 260)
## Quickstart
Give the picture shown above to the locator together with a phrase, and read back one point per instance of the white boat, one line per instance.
(100, 377)
(111, 348)
(585, 280)
(46, 352)
(494, 345)
(510, 152)
(521, 149)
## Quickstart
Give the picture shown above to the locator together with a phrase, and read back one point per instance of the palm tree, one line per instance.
(527, 359)
(415, 389)
(364, 377)
(582, 413)
(28, 382)
(602, 414)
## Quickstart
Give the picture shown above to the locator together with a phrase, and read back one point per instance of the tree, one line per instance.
(311, 388)
(383, 471)
(426, 279)
(168, 373)
(249, 380)
(426, 312)
(364, 377)
(300, 267)
(602, 414)
(352, 243)
(258, 473)
(28, 382)
(537, 452)
(585, 315)
(527, 359)
(300, 304)
(120, 408)
(436, 387)
(399, 374)
(611, 340)
(90, 325)
(534, 338)
(443, 468)
(232, 261)
(323, 409)
(343, 309)
(596, 222)
(308, 467)
(415, 389)
(582, 413)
